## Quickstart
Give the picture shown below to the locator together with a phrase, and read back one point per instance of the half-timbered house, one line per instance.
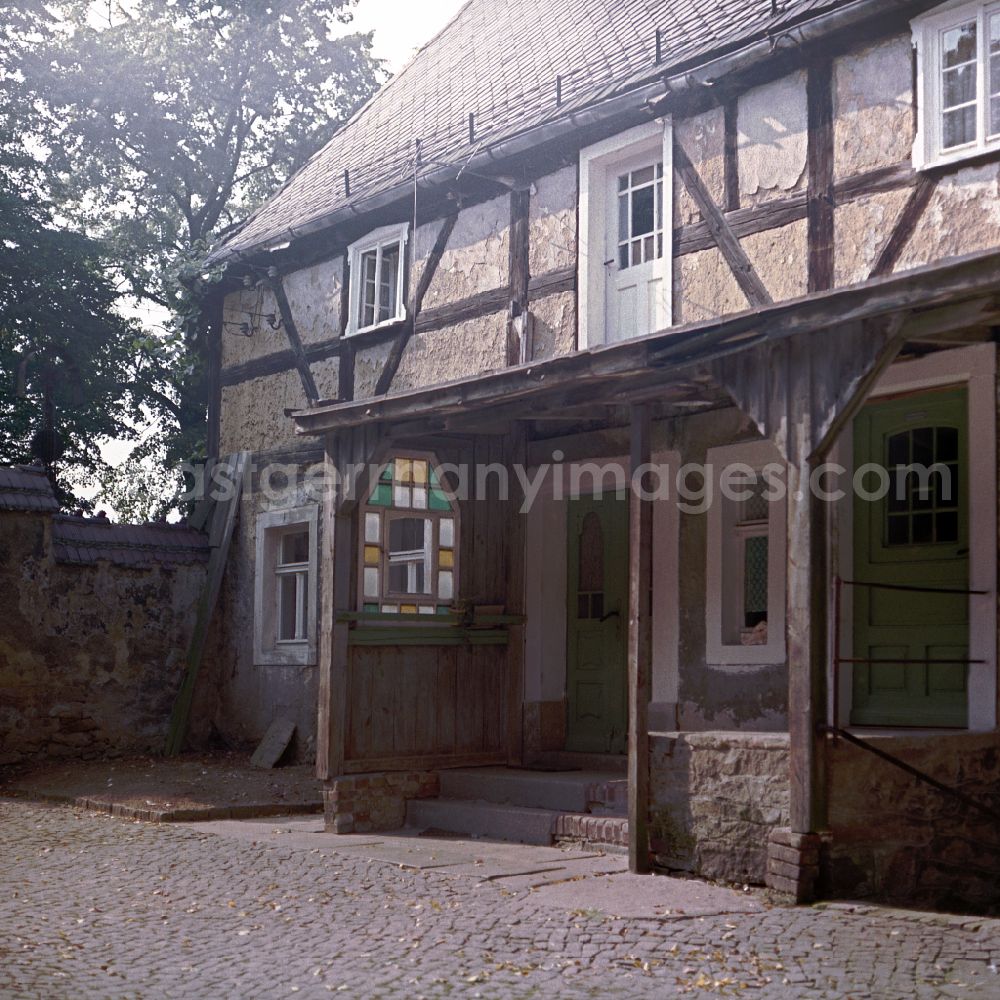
(743, 241)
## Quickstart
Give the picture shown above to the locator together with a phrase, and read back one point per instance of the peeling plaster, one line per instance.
(705, 287)
(873, 107)
(552, 222)
(253, 413)
(703, 138)
(861, 229)
(477, 258)
(470, 348)
(314, 297)
(963, 217)
(555, 325)
(773, 138)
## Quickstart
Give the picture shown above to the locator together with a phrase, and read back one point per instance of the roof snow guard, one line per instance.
(87, 541)
(525, 71)
(25, 487)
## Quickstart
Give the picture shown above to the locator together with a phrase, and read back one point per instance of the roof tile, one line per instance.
(499, 59)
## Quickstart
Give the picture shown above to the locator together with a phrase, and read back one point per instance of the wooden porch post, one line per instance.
(640, 641)
(807, 645)
(335, 574)
(515, 604)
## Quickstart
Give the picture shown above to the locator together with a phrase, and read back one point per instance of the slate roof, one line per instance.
(86, 540)
(498, 59)
(26, 488)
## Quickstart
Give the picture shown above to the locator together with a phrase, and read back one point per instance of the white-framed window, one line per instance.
(745, 593)
(958, 83)
(625, 263)
(285, 587)
(378, 267)
(409, 541)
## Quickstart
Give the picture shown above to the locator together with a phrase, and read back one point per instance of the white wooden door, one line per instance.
(637, 299)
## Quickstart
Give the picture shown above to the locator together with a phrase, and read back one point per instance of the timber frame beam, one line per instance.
(298, 352)
(414, 305)
(726, 240)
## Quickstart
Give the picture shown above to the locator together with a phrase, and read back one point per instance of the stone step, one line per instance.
(483, 819)
(608, 763)
(516, 824)
(570, 791)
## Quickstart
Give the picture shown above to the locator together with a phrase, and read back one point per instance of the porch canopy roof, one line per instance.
(936, 302)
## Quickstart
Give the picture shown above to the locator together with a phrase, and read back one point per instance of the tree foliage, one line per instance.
(74, 370)
(148, 125)
(173, 118)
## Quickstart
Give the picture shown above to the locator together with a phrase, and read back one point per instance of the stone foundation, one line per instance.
(369, 803)
(897, 840)
(793, 864)
(714, 800)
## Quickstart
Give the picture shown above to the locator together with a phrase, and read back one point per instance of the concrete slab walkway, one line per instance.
(576, 881)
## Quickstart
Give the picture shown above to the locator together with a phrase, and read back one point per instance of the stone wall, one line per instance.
(898, 840)
(714, 800)
(91, 656)
(375, 802)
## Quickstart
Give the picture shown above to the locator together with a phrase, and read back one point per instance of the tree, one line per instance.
(77, 371)
(74, 370)
(164, 121)
(176, 117)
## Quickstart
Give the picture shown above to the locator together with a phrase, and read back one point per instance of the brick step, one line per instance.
(517, 824)
(572, 791)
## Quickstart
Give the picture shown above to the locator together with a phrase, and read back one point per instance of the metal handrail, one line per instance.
(954, 793)
(838, 660)
(909, 588)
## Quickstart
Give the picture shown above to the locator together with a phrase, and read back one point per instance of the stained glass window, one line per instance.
(409, 559)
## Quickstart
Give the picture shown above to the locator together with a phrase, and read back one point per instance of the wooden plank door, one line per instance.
(916, 536)
(597, 624)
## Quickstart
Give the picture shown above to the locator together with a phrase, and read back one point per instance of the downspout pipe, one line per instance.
(651, 98)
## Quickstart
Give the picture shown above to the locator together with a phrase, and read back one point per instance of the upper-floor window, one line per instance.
(410, 541)
(377, 270)
(958, 51)
(626, 207)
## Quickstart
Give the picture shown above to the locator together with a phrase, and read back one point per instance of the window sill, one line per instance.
(720, 657)
(287, 655)
(389, 326)
(980, 156)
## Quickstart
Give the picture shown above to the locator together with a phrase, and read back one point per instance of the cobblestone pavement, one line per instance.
(92, 906)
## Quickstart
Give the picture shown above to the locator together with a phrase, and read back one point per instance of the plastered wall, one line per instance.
(250, 695)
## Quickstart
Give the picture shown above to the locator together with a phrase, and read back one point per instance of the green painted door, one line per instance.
(917, 536)
(597, 622)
